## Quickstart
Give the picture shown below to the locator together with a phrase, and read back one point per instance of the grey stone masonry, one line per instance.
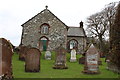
(57, 33)
(32, 32)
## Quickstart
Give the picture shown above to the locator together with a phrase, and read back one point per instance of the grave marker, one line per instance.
(82, 60)
(48, 55)
(32, 60)
(5, 59)
(91, 61)
(73, 55)
(22, 52)
(60, 62)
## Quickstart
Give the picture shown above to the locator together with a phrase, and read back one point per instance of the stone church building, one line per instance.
(46, 32)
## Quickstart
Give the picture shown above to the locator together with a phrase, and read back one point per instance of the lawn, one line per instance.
(74, 69)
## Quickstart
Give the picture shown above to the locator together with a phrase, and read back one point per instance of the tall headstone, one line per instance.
(91, 61)
(73, 55)
(5, 59)
(82, 60)
(60, 61)
(32, 60)
(48, 55)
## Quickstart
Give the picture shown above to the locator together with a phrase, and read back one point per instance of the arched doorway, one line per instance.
(43, 43)
(72, 44)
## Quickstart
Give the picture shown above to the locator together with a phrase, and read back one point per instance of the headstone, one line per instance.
(82, 60)
(99, 61)
(5, 59)
(91, 61)
(60, 62)
(32, 60)
(22, 52)
(73, 55)
(48, 55)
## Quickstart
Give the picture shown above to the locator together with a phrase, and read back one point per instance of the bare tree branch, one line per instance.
(100, 22)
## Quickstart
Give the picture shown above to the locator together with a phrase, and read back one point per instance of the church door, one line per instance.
(44, 43)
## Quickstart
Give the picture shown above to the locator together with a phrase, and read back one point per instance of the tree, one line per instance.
(97, 26)
(99, 23)
(115, 42)
(109, 13)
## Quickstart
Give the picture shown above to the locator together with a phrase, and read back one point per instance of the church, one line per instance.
(46, 31)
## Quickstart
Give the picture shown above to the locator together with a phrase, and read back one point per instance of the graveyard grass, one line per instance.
(74, 69)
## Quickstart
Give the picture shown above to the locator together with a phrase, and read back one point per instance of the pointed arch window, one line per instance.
(44, 28)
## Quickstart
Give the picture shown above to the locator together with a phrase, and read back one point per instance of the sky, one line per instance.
(13, 13)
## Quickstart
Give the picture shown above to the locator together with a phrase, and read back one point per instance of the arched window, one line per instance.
(73, 43)
(44, 29)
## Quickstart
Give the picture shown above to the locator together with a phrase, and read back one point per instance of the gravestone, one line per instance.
(82, 60)
(91, 61)
(22, 52)
(5, 59)
(60, 61)
(32, 60)
(99, 61)
(73, 55)
(48, 55)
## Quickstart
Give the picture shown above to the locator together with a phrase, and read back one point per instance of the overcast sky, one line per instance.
(13, 13)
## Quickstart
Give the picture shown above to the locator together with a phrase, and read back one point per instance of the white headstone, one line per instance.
(73, 55)
(48, 55)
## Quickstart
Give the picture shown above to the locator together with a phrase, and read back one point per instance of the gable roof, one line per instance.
(45, 10)
(76, 31)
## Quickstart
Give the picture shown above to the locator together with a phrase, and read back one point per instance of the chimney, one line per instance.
(81, 24)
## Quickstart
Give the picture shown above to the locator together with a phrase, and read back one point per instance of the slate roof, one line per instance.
(76, 31)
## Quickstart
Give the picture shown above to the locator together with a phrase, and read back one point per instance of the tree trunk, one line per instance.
(101, 44)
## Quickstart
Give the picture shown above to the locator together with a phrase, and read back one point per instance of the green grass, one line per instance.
(74, 70)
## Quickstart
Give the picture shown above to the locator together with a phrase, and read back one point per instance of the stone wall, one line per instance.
(57, 31)
(81, 43)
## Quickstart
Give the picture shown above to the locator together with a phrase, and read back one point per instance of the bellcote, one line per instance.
(81, 24)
